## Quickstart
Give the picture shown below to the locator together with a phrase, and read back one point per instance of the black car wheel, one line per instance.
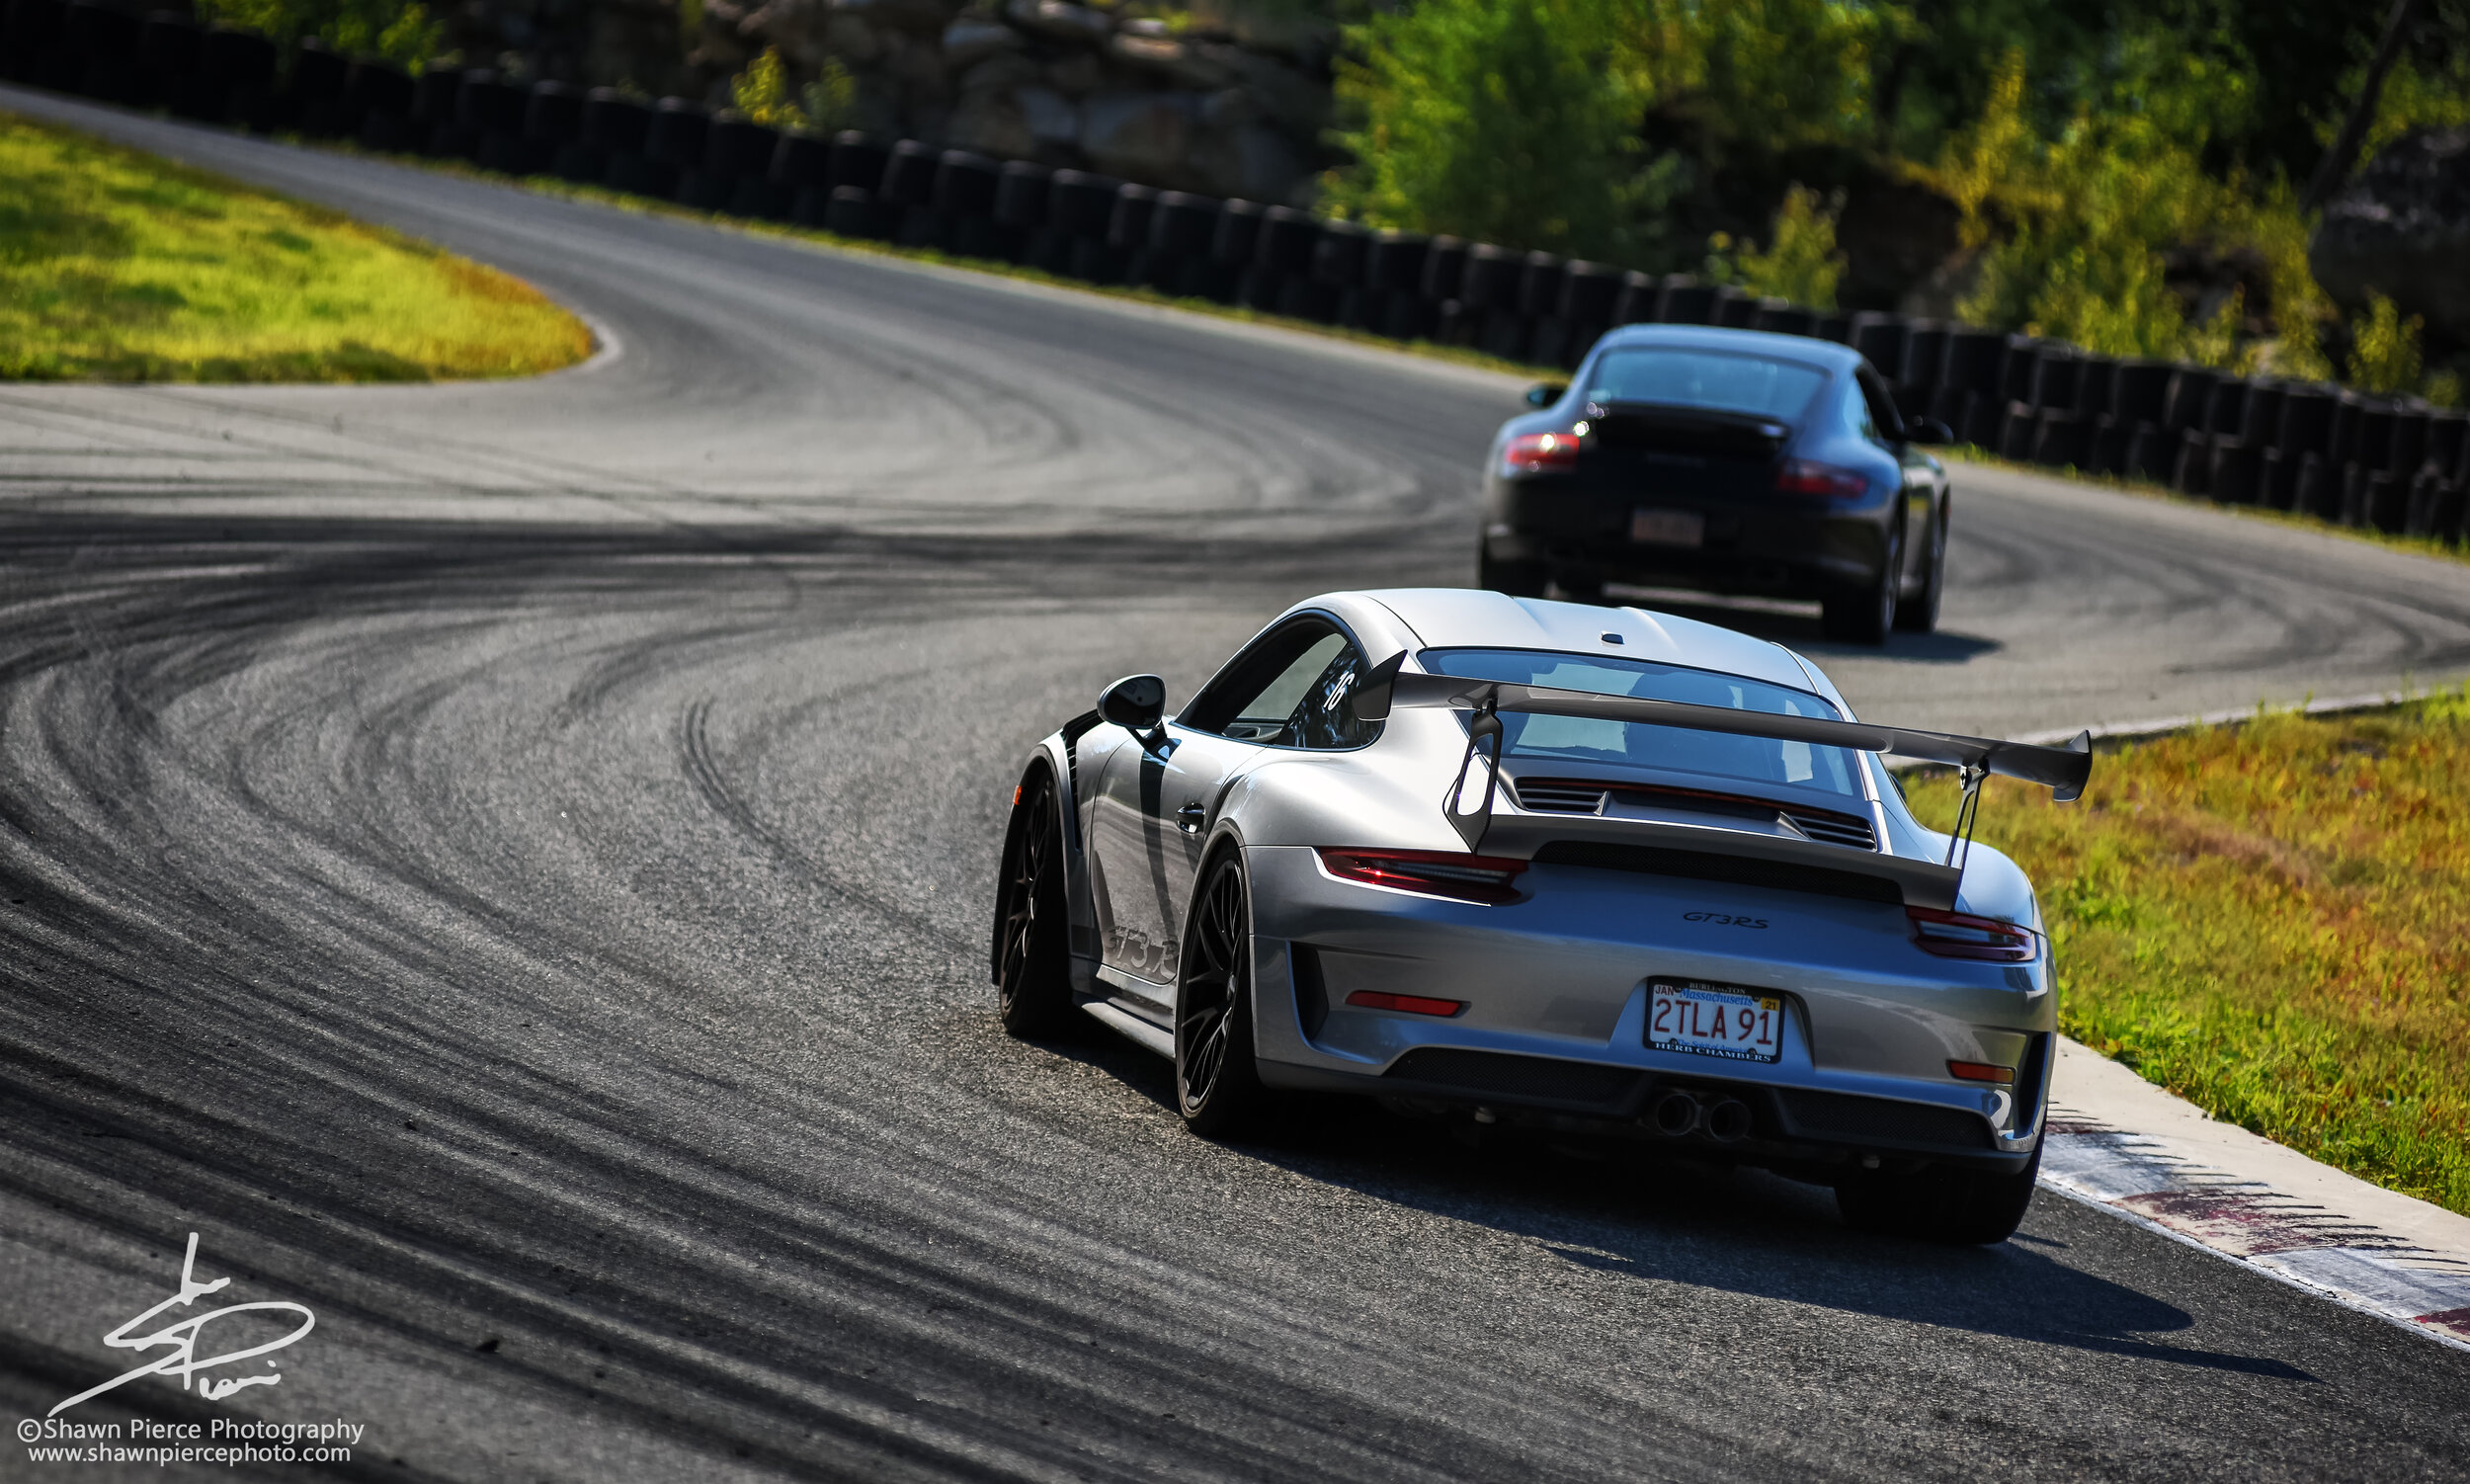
(1920, 613)
(1962, 1207)
(1217, 1087)
(1864, 615)
(1518, 579)
(1032, 960)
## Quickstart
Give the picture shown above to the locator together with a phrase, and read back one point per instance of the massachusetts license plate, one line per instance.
(1710, 1019)
(1668, 528)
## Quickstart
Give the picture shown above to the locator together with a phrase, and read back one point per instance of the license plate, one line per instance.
(1668, 528)
(1712, 1020)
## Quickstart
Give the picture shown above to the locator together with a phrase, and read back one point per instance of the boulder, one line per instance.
(1142, 136)
(971, 40)
(1060, 20)
(2402, 228)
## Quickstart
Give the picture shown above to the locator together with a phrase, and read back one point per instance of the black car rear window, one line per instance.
(1718, 380)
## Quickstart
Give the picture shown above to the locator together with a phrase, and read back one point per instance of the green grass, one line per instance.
(2272, 920)
(118, 266)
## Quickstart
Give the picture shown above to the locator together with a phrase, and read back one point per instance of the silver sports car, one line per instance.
(1589, 869)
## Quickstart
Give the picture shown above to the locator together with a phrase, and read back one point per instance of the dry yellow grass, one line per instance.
(2272, 920)
(119, 265)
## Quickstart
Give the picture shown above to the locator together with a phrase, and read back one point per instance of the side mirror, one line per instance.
(1136, 703)
(1927, 430)
(1546, 393)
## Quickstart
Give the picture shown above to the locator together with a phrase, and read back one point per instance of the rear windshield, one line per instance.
(1582, 739)
(1714, 380)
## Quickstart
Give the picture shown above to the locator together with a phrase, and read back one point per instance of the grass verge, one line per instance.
(2268, 919)
(118, 266)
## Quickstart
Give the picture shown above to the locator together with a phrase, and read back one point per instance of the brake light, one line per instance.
(1980, 1071)
(1373, 999)
(1490, 879)
(1957, 935)
(1539, 453)
(1800, 477)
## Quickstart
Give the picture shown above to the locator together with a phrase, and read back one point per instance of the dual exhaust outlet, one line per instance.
(1677, 1114)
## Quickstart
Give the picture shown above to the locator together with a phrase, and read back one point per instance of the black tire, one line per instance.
(1217, 1086)
(1865, 615)
(1518, 579)
(1960, 1207)
(1920, 613)
(1033, 955)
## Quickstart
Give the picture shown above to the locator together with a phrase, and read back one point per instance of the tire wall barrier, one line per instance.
(2394, 465)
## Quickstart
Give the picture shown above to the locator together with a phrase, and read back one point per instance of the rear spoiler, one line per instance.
(2064, 771)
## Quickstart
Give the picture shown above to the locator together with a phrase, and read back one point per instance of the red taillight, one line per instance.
(1980, 1071)
(1799, 476)
(1491, 880)
(1373, 999)
(1539, 453)
(1956, 935)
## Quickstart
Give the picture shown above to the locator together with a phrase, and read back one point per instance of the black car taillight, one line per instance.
(1490, 879)
(1539, 453)
(1958, 935)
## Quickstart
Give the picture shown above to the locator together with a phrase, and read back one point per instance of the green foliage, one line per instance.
(1503, 121)
(118, 266)
(824, 105)
(2384, 349)
(1757, 76)
(1802, 264)
(401, 31)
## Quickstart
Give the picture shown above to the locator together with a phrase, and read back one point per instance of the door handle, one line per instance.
(1190, 817)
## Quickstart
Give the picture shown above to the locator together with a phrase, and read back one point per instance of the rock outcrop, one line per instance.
(1219, 103)
(2401, 227)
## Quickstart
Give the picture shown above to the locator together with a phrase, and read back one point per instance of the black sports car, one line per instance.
(1729, 462)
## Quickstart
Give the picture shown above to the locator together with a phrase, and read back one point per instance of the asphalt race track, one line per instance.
(509, 866)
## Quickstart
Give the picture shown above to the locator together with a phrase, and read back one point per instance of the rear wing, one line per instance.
(2064, 771)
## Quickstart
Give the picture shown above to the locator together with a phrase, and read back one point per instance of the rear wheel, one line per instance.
(1863, 616)
(1961, 1207)
(1032, 960)
(1920, 613)
(1217, 1086)
(1518, 579)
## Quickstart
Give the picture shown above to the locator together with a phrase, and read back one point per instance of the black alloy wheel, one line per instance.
(1920, 613)
(1960, 1207)
(1032, 958)
(1217, 1087)
(1864, 615)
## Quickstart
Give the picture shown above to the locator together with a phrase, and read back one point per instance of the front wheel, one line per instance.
(1960, 1207)
(1032, 960)
(1217, 1086)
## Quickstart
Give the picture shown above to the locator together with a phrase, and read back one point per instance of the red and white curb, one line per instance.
(2118, 1142)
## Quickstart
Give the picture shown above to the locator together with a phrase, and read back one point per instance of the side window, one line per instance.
(1885, 422)
(1290, 691)
(1856, 413)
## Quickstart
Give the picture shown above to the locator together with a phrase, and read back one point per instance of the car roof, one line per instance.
(1473, 619)
(1824, 354)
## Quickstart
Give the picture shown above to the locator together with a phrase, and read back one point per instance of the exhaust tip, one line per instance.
(1728, 1121)
(1675, 1115)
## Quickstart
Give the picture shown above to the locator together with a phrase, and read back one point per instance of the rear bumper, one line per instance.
(1557, 992)
(1777, 545)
